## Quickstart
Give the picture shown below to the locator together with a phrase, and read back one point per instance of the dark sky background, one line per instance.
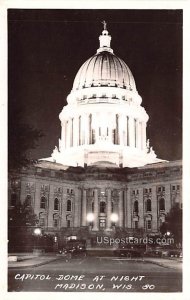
(47, 47)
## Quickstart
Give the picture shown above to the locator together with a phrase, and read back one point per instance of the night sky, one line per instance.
(47, 47)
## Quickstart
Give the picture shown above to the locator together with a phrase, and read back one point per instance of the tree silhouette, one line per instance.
(173, 223)
(21, 222)
(21, 138)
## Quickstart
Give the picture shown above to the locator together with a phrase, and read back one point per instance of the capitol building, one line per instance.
(103, 177)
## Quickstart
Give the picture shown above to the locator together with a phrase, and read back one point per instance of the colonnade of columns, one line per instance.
(119, 129)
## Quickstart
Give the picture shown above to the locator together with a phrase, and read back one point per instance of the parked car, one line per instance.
(123, 251)
(74, 248)
(175, 253)
(163, 252)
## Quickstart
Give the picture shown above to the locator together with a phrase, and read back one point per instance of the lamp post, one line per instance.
(37, 234)
(114, 218)
(90, 219)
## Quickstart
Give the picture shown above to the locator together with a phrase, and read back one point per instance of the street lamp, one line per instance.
(114, 219)
(90, 219)
(37, 233)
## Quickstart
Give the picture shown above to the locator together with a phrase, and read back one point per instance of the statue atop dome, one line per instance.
(105, 24)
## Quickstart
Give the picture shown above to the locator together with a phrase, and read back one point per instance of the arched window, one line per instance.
(13, 199)
(148, 205)
(162, 204)
(43, 202)
(68, 205)
(56, 204)
(136, 206)
(102, 207)
(28, 200)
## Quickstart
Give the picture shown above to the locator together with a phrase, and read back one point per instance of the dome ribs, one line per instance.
(87, 68)
(93, 72)
(112, 69)
(104, 69)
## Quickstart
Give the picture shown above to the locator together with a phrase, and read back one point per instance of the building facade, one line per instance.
(86, 201)
(103, 177)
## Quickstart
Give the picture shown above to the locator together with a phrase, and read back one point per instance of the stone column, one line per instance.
(96, 133)
(50, 206)
(125, 209)
(63, 208)
(68, 134)
(75, 131)
(96, 210)
(131, 132)
(86, 129)
(77, 203)
(141, 136)
(84, 207)
(144, 135)
(79, 130)
(167, 198)
(127, 131)
(83, 128)
(63, 135)
(138, 134)
(120, 209)
(120, 121)
(154, 207)
(141, 208)
(108, 210)
(128, 209)
(71, 132)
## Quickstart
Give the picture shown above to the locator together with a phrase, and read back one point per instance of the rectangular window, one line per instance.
(159, 189)
(178, 187)
(67, 191)
(173, 188)
(136, 224)
(149, 225)
(55, 222)
(68, 223)
(42, 221)
(163, 189)
(150, 190)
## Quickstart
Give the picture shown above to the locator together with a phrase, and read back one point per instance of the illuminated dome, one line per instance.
(104, 123)
(104, 69)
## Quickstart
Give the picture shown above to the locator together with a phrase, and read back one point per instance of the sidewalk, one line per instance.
(28, 260)
(171, 263)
